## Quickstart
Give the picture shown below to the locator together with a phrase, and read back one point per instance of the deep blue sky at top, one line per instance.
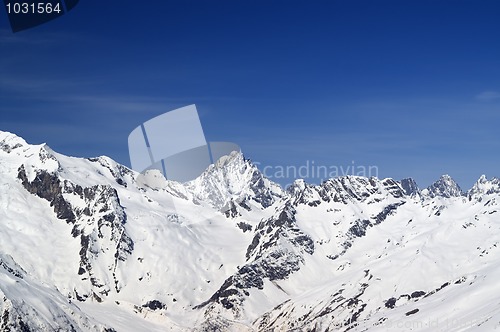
(412, 87)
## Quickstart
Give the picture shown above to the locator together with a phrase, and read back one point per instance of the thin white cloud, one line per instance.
(56, 91)
(488, 95)
(31, 85)
(28, 38)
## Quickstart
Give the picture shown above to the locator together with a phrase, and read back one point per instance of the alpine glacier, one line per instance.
(90, 245)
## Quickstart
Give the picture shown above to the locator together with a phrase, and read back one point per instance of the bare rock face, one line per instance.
(410, 187)
(89, 245)
(98, 221)
(444, 187)
(267, 258)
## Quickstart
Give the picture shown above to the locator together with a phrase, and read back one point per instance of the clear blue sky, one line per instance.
(412, 87)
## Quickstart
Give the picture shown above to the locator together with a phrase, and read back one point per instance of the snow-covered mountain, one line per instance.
(89, 245)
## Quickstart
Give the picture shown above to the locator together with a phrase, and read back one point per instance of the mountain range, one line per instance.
(90, 245)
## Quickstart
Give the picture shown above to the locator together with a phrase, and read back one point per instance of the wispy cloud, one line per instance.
(30, 87)
(58, 91)
(27, 38)
(488, 96)
(120, 103)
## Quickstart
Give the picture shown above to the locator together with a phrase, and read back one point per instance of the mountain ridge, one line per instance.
(231, 250)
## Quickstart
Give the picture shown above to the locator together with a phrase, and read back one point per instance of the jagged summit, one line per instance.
(410, 187)
(444, 187)
(483, 186)
(234, 180)
(9, 141)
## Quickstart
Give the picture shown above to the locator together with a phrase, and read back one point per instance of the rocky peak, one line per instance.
(410, 187)
(234, 179)
(304, 193)
(9, 142)
(444, 187)
(483, 186)
(357, 188)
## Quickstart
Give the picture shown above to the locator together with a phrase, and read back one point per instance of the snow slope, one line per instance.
(89, 245)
